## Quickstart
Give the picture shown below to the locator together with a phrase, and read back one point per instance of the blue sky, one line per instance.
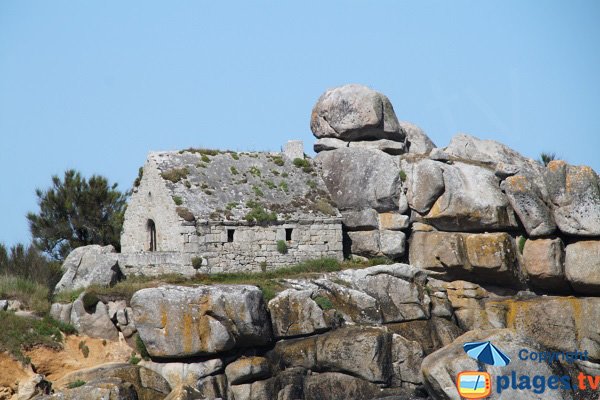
(96, 85)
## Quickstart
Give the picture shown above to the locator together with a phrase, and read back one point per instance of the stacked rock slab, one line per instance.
(477, 209)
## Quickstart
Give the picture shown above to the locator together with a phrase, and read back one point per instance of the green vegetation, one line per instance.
(208, 192)
(138, 180)
(284, 175)
(20, 333)
(197, 262)
(270, 184)
(254, 171)
(278, 160)
(67, 296)
(75, 384)
(85, 350)
(284, 186)
(304, 164)
(201, 165)
(311, 184)
(234, 155)
(231, 206)
(134, 360)
(402, 175)
(175, 175)
(263, 266)
(205, 158)
(522, 240)
(34, 296)
(77, 212)
(141, 347)
(258, 213)
(323, 302)
(274, 172)
(178, 200)
(545, 158)
(199, 150)
(28, 264)
(282, 247)
(233, 170)
(257, 191)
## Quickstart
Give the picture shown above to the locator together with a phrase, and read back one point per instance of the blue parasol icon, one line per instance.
(487, 353)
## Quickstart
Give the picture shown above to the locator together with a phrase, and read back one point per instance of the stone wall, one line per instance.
(254, 247)
(151, 201)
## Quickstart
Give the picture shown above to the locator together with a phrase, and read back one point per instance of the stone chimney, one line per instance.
(293, 149)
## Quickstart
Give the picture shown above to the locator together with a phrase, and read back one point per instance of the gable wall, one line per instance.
(151, 200)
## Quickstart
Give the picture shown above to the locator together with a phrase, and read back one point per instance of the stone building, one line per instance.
(221, 211)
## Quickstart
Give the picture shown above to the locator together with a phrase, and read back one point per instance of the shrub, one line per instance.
(284, 186)
(258, 213)
(304, 164)
(175, 175)
(231, 206)
(324, 207)
(233, 170)
(178, 200)
(278, 161)
(284, 175)
(323, 302)
(257, 191)
(205, 158)
(185, 214)
(197, 262)
(234, 155)
(254, 171)
(311, 184)
(282, 247)
(402, 175)
(270, 184)
(75, 384)
(263, 266)
(85, 350)
(138, 180)
(134, 360)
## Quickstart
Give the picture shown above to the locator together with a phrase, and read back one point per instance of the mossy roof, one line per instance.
(227, 186)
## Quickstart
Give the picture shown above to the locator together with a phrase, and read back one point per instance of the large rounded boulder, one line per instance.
(355, 112)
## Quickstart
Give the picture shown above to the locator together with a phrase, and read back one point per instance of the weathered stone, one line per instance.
(407, 356)
(398, 289)
(387, 146)
(360, 351)
(253, 391)
(364, 243)
(529, 205)
(425, 185)
(360, 178)
(61, 312)
(392, 243)
(246, 370)
(489, 257)
(543, 260)
(295, 313)
(441, 367)
(393, 221)
(148, 384)
(326, 144)
(114, 307)
(213, 387)
(438, 154)
(360, 220)
(89, 265)
(182, 374)
(504, 170)
(417, 141)
(185, 393)
(178, 321)
(93, 322)
(575, 195)
(582, 266)
(431, 334)
(99, 389)
(35, 386)
(352, 112)
(472, 201)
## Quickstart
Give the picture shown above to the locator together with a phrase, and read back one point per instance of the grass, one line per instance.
(284, 186)
(76, 384)
(278, 161)
(233, 170)
(258, 213)
(34, 296)
(304, 164)
(234, 156)
(199, 150)
(141, 347)
(231, 206)
(323, 302)
(175, 175)
(324, 207)
(257, 191)
(254, 171)
(402, 175)
(20, 333)
(522, 240)
(267, 281)
(270, 184)
(67, 296)
(282, 247)
(178, 200)
(205, 158)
